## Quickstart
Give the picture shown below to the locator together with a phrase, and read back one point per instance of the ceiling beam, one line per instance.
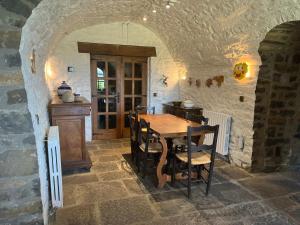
(116, 50)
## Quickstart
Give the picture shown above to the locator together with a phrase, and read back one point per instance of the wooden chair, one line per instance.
(198, 157)
(180, 143)
(133, 124)
(145, 109)
(147, 148)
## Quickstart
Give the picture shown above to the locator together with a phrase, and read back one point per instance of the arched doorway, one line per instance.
(277, 107)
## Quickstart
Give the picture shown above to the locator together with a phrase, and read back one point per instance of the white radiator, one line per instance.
(224, 122)
(54, 162)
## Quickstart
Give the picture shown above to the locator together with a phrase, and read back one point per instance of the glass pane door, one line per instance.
(134, 87)
(106, 97)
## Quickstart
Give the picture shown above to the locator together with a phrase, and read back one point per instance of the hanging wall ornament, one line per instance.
(219, 80)
(209, 82)
(198, 83)
(164, 80)
(32, 61)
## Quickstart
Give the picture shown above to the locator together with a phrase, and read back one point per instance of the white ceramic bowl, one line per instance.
(188, 104)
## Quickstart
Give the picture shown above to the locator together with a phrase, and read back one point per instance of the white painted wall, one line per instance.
(66, 54)
(207, 37)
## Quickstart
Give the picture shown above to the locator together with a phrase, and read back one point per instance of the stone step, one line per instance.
(10, 210)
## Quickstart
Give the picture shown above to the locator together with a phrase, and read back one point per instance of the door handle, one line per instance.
(118, 97)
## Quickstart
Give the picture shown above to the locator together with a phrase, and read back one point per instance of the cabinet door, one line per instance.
(71, 131)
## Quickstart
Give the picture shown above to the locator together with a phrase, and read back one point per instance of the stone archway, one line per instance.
(277, 109)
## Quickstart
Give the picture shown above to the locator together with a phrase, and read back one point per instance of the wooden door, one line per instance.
(119, 84)
(134, 87)
(106, 101)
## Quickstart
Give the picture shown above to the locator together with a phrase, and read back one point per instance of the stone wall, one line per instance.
(20, 196)
(66, 54)
(277, 100)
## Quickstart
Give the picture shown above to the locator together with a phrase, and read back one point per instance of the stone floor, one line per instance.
(113, 194)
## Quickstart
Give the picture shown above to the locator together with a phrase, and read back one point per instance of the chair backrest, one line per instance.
(196, 118)
(133, 124)
(144, 133)
(202, 130)
(145, 109)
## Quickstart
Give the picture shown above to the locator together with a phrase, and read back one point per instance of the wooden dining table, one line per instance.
(166, 126)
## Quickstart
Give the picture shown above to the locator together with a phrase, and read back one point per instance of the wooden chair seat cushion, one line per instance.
(198, 158)
(180, 142)
(154, 147)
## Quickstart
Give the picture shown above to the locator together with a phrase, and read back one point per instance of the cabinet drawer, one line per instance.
(70, 111)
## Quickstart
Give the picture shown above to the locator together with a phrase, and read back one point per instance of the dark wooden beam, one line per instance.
(119, 50)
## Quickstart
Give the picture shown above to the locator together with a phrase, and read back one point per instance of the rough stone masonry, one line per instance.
(20, 201)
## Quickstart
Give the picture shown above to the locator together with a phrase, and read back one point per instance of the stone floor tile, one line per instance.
(107, 158)
(270, 186)
(269, 219)
(115, 175)
(174, 207)
(78, 215)
(79, 179)
(295, 175)
(101, 191)
(229, 193)
(296, 197)
(104, 167)
(177, 220)
(134, 186)
(167, 196)
(295, 214)
(236, 212)
(233, 173)
(281, 203)
(125, 211)
(69, 195)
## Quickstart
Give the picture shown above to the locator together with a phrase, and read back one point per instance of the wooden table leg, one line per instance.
(162, 177)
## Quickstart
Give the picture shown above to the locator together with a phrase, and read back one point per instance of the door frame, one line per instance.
(97, 133)
(121, 130)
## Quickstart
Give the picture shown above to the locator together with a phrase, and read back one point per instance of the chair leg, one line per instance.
(138, 165)
(189, 180)
(173, 170)
(209, 178)
(144, 165)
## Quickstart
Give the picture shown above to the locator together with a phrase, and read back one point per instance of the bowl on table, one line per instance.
(188, 104)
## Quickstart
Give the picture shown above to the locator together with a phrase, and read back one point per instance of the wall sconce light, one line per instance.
(240, 71)
(198, 83)
(32, 61)
(190, 81)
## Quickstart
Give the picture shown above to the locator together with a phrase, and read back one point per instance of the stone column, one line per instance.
(20, 201)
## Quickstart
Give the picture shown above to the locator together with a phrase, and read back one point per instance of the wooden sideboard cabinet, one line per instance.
(70, 119)
(180, 111)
